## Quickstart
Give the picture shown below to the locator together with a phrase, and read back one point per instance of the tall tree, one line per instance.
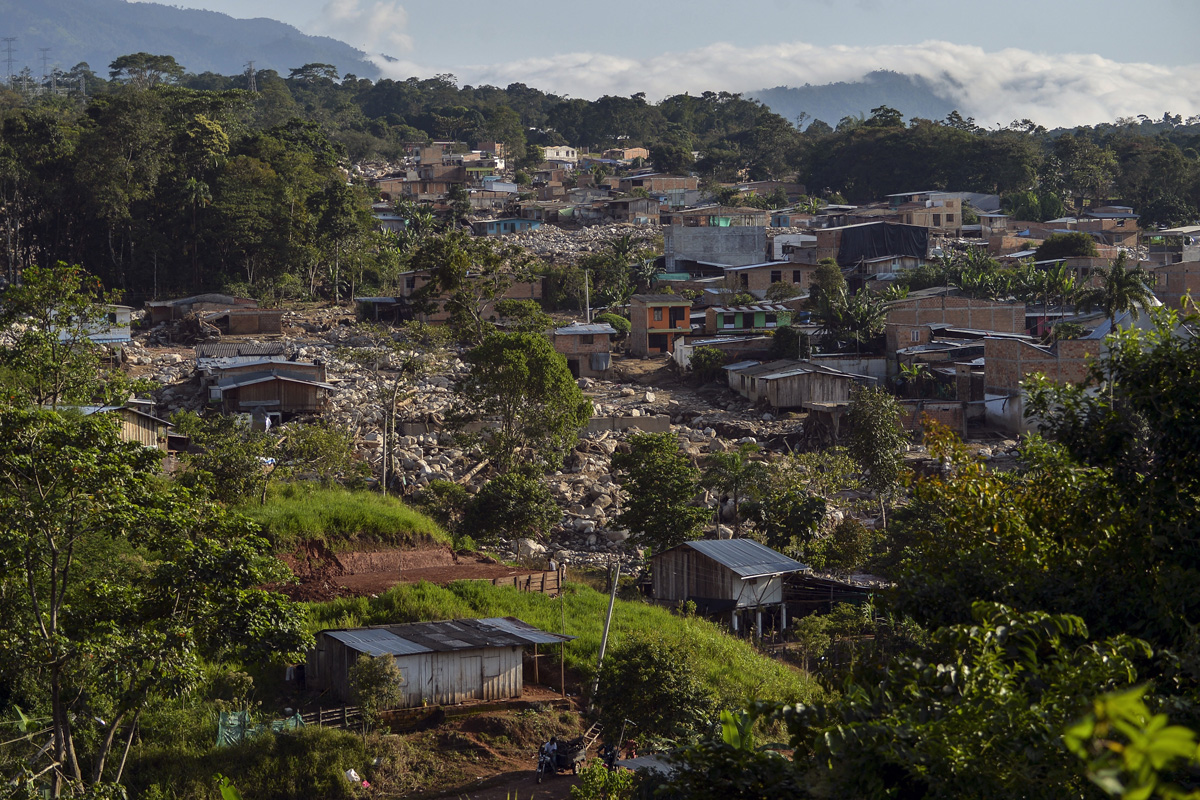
(661, 483)
(1123, 289)
(877, 442)
(53, 360)
(116, 588)
(518, 381)
(738, 474)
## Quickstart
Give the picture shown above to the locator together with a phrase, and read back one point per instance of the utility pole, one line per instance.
(251, 84)
(612, 599)
(587, 295)
(8, 58)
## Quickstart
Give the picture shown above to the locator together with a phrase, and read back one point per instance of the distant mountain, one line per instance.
(98, 31)
(911, 95)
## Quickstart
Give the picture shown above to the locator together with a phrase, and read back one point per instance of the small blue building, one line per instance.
(499, 227)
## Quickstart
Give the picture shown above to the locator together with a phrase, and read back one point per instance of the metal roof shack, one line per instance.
(746, 557)
(440, 662)
(724, 575)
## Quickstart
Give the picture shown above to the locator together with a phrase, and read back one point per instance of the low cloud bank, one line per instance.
(993, 87)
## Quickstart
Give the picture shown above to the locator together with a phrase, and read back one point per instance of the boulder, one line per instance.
(528, 548)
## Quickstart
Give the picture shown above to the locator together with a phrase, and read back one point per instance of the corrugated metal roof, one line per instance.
(768, 307)
(746, 557)
(581, 329)
(524, 630)
(661, 299)
(445, 636)
(378, 642)
(228, 349)
(251, 378)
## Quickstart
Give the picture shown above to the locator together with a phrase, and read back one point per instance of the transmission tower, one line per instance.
(45, 51)
(8, 58)
(251, 85)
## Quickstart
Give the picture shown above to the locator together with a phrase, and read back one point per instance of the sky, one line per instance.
(1055, 62)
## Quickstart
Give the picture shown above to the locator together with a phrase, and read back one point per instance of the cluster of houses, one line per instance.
(971, 355)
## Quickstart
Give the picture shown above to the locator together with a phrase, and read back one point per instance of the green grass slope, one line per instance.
(339, 518)
(733, 670)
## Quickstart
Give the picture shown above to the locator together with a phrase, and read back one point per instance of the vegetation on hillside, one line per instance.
(297, 513)
(729, 668)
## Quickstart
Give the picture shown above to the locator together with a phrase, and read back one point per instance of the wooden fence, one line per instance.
(544, 582)
(336, 717)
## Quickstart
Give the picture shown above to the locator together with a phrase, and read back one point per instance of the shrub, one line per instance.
(512, 505)
(653, 682)
(619, 323)
(445, 501)
(780, 291)
(706, 363)
(1064, 245)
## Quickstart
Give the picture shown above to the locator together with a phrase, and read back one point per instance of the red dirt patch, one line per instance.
(324, 575)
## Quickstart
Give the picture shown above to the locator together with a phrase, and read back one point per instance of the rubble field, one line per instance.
(647, 394)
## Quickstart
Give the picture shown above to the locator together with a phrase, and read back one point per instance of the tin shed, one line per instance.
(723, 575)
(440, 662)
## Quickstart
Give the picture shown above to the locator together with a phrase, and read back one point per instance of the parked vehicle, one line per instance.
(555, 757)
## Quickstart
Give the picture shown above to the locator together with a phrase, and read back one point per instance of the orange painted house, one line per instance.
(656, 320)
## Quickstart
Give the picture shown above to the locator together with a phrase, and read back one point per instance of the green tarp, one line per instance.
(237, 726)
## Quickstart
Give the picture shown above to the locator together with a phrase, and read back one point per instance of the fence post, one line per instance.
(320, 717)
(345, 719)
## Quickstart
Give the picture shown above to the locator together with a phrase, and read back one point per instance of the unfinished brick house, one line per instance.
(586, 348)
(656, 320)
(908, 319)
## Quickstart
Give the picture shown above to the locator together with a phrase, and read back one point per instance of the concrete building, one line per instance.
(757, 278)
(908, 319)
(505, 225)
(753, 319)
(656, 320)
(704, 250)
(562, 153)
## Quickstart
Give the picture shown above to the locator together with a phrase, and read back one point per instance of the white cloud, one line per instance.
(376, 26)
(994, 87)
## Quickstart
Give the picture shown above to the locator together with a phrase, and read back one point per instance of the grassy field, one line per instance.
(340, 518)
(731, 668)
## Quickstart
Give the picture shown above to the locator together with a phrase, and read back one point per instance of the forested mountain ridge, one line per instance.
(163, 181)
(98, 31)
(911, 95)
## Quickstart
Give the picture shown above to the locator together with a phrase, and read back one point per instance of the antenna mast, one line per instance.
(251, 85)
(8, 58)
(45, 51)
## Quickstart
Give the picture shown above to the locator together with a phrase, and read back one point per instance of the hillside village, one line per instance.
(383, 507)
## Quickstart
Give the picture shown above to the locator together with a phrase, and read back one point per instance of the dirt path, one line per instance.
(518, 784)
(324, 575)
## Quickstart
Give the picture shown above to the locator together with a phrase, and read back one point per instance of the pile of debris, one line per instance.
(563, 245)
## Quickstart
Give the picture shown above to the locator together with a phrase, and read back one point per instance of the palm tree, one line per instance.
(736, 474)
(1122, 289)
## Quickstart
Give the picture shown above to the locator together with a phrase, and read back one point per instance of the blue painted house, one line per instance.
(499, 227)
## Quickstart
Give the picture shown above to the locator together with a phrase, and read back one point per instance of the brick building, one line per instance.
(908, 319)
(586, 348)
(656, 320)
